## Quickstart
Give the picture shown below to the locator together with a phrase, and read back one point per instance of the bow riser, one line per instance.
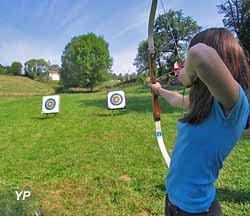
(156, 105)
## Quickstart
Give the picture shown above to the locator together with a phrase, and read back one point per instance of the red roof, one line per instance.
(53, 72)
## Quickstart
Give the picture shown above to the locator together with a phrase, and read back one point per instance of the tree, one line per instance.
(129, 78)
(172, 31)
(85, 62)
(133, 77)
(120, 77)
(2, 70)
(113, 76)
(36, 68)
(54, 67)
(15, 69)
(141, 61)
(237, 19)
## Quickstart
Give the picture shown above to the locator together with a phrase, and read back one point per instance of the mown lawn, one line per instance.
(88, 161)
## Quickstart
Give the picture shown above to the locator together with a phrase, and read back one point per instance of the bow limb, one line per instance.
(151, 57)
(156, 105)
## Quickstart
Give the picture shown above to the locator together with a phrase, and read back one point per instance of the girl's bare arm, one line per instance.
(173, 98)
(203, 61)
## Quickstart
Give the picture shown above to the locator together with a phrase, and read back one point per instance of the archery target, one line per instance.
(51, 104)
(116, 100)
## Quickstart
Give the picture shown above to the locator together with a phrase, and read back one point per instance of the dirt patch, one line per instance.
(144, 213)
(124, 178)
(68, 195)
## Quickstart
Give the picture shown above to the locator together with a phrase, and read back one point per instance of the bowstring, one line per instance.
(171, 30)
(177, 50)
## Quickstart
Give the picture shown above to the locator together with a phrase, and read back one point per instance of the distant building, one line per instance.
(54, 74)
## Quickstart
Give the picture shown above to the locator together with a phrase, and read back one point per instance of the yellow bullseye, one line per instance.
(50, 104)
(116, 99)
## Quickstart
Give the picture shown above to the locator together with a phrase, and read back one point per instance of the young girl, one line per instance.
(218, 74)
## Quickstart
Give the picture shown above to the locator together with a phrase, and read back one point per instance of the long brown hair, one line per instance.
(232, 54)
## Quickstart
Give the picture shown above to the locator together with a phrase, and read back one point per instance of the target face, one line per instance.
(116, 100)
(50, 104)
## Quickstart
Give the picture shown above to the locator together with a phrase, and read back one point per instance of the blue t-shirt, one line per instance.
(199, 153)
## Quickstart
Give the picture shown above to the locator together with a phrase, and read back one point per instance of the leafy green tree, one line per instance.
(133, 77)
(15, 69)
(237, 19)
(142, 79)
(172, 32)
(120, 77)
(2, 70)
(85, 62)
(129, 77)
(113, 76)
(54, 67)
(35, 68)
(141, 61)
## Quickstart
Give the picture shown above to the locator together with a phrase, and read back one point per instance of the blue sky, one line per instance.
(42, 28)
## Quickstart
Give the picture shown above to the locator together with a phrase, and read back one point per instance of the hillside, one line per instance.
(22, 86)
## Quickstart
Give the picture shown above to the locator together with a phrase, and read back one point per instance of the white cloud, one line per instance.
(129, 28)
(123, 61)
(22, 51)
(74, 14)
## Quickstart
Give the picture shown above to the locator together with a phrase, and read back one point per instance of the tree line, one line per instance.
(14, 69)
(36, 69)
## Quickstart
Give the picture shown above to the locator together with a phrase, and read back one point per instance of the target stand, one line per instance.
(51, 104)
(116, 100)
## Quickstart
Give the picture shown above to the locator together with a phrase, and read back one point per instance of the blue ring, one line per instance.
(112, 99)
(50, 100)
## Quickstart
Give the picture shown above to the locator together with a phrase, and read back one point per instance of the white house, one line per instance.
(54, 74)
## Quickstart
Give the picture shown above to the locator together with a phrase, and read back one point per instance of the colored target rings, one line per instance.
(50, 104)
(116, 99)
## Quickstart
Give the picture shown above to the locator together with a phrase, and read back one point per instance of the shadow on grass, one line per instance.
(246, 134)
(161, 187)
(40, 118)
(111, 113)
(45, 117)
(9, 206)
(61, 90)
(225, 194)
(235, 196)
(134, 104)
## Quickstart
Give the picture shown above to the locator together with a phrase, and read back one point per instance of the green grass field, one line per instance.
(88, 161)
